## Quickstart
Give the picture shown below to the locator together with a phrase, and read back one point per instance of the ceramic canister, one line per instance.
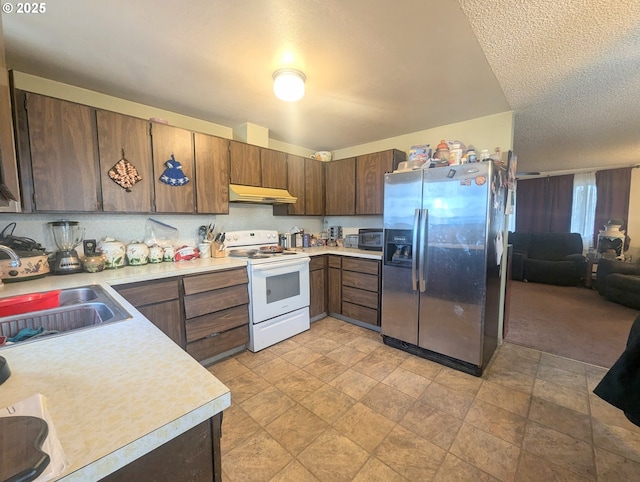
(114, 253)
(156, 254)
(137, 253)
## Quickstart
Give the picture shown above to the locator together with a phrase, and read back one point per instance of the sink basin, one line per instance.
(79, 308)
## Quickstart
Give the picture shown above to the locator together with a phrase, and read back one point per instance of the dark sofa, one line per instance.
(553, 258)
(619, 282)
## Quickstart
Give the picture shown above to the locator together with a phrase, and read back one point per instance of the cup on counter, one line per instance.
(205, 250)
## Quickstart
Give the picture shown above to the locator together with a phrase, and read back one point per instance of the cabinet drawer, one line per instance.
(214, 345)
(360, 313)
(140, 294)
(335, 261)
(317, 262)
(217, 322)
(368, 266)
(216, 300)
(360, 297)
(357, 280)
(213, 281)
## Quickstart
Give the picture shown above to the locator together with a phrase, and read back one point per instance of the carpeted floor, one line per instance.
(572, 322)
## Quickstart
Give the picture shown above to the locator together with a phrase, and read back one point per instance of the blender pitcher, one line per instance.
(67, 236)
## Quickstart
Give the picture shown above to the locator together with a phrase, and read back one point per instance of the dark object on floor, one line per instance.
(621, 385)
(553, 258)
(619, 282)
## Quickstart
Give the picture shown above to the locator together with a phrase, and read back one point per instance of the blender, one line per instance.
(67, 235)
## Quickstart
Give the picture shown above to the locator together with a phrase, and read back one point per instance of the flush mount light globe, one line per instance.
(288, 84)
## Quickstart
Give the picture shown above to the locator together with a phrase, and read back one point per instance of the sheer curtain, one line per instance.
(583, 212)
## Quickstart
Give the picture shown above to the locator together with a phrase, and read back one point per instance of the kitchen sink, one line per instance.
(82, 307)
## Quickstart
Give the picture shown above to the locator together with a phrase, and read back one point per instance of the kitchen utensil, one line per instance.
(67, 236)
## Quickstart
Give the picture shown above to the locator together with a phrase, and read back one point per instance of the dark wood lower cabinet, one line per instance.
(318, 287)
(193, 456)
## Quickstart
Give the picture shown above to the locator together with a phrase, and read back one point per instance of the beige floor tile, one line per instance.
(562, 419)
(299, 384)
(459, 381)
(422, 366)
(431, 424)
(353, 383)
(376, 471)
(411, 456)
(565, 378)
(521, 351)
(301, 356)
(486, 452)
(594, 376)
(258, 459)
(448, 400)
(563, 450)
(560, 395)
(333, 457)
(497, 421)
(389, 402)
(227, 369)
(307, 336)
(275, 370)
(245, 386)
(294, 472)
(608, 414)
(617, 440)
(614, 468)
(328, 403)
(237, 426)
(364, 426)
(252, 360)
(296, 429)
(510, 378)
(322, 345)
(325, 368)
(283, 347)
(512, 361)
(532, 468)
(376, 365)
(456, 469)
(364, 344)
(266, 406)
(504, 397)
(341, 335)
(407, 382)
(393, 354)
(346, 355)
(566, 364)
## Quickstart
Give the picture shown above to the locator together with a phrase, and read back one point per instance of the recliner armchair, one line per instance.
(619, 282)
(553, 258)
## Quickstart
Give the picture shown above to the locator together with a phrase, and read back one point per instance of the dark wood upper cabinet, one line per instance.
(61, 155)
(8, 160)
(245, 164)
(212, 174)
(167, 141)
(295, 186)
(340, 179)
(118, 133)
(314, 187)
(273, 168)
(370, 170)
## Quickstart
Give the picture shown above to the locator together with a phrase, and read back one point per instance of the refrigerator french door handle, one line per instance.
(423, 241)
(414, 251)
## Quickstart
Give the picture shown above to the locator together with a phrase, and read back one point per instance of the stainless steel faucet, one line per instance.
(15, 260)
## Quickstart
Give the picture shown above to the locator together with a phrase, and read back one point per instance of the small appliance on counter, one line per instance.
(67, 235)
(34, 261)
(370, 239)
(351, 241)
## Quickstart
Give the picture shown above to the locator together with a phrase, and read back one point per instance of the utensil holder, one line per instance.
(217, 250)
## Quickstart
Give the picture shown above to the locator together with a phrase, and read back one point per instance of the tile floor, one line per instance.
(334, 403)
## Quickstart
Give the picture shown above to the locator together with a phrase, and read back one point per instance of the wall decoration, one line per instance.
(124, 174)
(173, 175)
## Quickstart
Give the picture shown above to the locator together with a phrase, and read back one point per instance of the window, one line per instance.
(583, 211)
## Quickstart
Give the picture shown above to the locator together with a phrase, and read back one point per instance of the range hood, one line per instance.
(261, 195)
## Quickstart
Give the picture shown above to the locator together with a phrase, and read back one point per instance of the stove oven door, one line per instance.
(278, 287)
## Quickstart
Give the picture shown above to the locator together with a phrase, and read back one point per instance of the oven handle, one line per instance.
(279, 264)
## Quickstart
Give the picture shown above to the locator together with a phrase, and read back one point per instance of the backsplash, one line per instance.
(128, 227)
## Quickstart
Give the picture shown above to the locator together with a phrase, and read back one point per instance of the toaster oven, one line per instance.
(370, 239)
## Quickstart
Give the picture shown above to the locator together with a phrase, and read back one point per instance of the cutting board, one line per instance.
(21, 457)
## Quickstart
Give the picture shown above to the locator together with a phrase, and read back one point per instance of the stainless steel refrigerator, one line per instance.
(441, 262)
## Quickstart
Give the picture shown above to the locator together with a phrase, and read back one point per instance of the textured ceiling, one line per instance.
(569, 69)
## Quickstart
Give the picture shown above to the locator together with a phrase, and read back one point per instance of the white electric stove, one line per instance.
(278, 286)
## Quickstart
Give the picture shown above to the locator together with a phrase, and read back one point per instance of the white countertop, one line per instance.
(116, 391)
(341, 251)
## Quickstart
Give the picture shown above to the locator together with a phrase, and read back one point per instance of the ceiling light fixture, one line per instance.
(288, 84)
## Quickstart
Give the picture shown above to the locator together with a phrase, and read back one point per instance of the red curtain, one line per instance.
(613, 187)
(543, 205)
